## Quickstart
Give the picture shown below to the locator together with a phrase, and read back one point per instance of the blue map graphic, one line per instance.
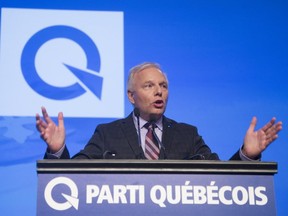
(21, 143)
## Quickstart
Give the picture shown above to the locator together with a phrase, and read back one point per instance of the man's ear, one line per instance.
(130, 96)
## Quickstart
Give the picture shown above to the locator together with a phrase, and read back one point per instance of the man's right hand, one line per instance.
(53, 135)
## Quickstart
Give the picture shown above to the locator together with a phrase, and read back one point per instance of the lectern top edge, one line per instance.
(161, 166)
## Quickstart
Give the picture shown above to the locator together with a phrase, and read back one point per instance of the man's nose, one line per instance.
(158, 90)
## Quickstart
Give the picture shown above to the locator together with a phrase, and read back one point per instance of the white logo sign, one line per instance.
(70, 61)
(71, 200)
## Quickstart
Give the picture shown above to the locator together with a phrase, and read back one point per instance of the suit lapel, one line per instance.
(131, 135)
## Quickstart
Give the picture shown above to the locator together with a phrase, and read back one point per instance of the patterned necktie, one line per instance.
(151, 145)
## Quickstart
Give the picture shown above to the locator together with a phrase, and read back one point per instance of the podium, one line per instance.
(164, 187)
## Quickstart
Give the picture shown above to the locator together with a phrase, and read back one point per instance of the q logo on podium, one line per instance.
(71, 200)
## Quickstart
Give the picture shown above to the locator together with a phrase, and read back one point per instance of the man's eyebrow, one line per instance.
(149, 81)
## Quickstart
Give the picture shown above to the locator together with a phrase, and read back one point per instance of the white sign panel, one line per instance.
(70, 61)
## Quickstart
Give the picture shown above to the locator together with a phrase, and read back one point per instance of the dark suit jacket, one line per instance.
(119, 140)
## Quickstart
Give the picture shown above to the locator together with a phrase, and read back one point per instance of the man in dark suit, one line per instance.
(128, 138)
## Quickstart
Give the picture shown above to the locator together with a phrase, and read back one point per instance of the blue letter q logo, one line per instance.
(92, 81)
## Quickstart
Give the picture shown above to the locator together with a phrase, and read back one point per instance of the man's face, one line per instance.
(149, 93)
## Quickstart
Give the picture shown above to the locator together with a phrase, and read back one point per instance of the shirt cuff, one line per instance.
(245, 158)
(56, 155)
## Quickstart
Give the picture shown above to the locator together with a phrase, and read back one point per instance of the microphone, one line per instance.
(207, 156)
(137, 114)
(196, 157)
(109, 154)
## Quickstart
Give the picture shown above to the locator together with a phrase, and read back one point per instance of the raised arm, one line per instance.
(255, 142)
(53, 135)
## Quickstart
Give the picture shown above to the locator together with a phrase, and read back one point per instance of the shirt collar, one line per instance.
(142, 122)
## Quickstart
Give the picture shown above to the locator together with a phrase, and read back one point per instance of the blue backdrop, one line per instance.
(226, 62)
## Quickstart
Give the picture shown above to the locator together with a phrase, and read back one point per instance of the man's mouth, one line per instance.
(158, 103)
